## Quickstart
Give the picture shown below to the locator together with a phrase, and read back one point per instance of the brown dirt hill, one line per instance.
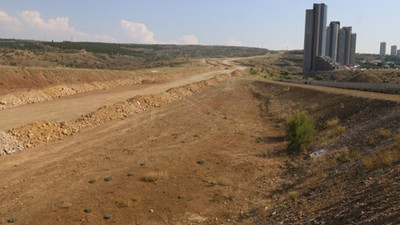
(354, 177)
(366, 78)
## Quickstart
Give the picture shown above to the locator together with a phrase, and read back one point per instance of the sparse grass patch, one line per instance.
(380, 159)
(107, 179)
(339, 130)
(219, 182)
(344, 156)
(332, 122)
(130, 174)
(384, 133)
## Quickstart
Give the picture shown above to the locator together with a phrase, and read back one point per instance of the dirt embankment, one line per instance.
(353, 177)
(20, 86)
(43, 131)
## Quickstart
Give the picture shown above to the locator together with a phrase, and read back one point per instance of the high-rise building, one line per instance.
(308, 41)
(315, 36)
(398, 52)
(344, 46)
(382, 50)
(393, 50)
(332, 40)
(353, 49)
(341, 46)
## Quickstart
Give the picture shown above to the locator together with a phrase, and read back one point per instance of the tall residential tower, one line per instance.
(315, 36)
(332, 37)
(393, 50)
(382, 50)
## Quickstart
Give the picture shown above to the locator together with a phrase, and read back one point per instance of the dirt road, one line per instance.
(200, 160)
(71, 107)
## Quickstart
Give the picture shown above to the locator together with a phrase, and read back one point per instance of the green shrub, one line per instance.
(253, 71)
(300, 132)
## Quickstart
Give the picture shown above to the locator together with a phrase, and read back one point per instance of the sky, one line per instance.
(271, 24)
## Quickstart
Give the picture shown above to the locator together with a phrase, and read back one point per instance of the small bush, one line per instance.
(87, 210)
(253, 71)
(107, 179)
(12, 220)
(92, 181)
(300, 132)
(107, 217)
(201, 161)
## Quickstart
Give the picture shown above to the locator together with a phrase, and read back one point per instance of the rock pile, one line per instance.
(9, 144)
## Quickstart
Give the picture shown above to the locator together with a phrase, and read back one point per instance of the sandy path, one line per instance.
(71, 107)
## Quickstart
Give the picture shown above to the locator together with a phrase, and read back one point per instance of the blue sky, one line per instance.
(272, 24)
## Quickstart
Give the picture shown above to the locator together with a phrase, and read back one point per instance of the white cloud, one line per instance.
(139, 32)
(34, 20)
(234, 42)
(30, 24)
(189, 40)
(8, 22)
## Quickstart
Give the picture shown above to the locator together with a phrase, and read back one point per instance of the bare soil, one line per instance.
(209, 149)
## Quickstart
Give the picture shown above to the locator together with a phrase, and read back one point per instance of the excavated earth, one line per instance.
(207, 152)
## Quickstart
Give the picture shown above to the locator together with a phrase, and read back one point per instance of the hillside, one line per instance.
(110, 55)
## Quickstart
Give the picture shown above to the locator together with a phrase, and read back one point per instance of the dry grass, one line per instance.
(332, 122)
(384, 133)
(380, 159)
(339, 130)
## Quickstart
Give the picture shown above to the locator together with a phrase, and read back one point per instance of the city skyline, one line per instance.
(254, 24)
(326, 48)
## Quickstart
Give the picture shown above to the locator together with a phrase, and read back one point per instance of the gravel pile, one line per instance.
(9, 144)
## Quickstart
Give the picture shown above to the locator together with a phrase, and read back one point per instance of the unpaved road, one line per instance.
(72, 107)
(222, 125)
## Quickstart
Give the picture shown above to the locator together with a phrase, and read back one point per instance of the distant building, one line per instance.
(332, 38)
(314, 36)
(353, 49)
(382, 51)
(346, 47)
(398, 52)
(393, 50)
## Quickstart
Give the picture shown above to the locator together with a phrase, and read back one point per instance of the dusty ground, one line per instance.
(209, 152)
(49, 184)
